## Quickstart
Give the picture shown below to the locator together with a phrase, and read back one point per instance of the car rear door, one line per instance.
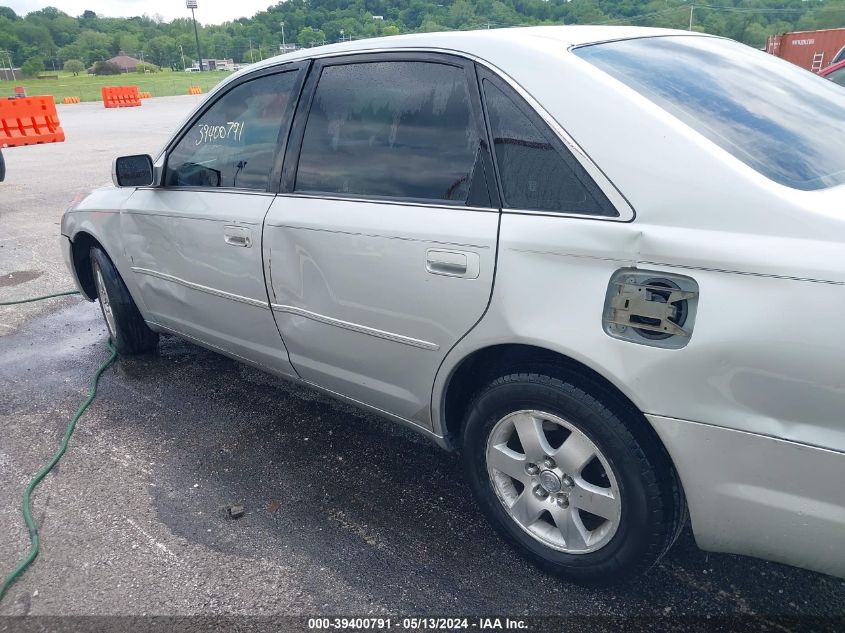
(195, 242)
(381, 247)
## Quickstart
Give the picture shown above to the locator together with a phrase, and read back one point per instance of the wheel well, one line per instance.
(485, 365)
(81, 252)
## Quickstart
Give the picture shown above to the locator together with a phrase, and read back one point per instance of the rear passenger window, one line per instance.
(536, 172)
(233, 143)
(390, 129)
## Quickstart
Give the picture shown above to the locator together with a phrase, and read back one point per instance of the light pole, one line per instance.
(192, 4)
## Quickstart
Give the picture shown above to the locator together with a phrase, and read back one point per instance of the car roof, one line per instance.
(552, 37)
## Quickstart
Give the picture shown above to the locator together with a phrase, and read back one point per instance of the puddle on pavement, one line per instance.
(17, 277)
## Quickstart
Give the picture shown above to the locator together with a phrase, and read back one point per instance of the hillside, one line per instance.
(48, 38)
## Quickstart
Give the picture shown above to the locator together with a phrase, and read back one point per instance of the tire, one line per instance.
(127, 329)
(541, 507)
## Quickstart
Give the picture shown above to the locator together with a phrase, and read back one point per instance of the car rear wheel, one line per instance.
(127, 329)
(555, 465)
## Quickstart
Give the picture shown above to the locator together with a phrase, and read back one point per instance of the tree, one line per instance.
(221, 45)
(106, 68)
(309, 36)
(32, 66)
(162, 50)
(146, 68)
(128, 43)
(90, 47)
(74, 66)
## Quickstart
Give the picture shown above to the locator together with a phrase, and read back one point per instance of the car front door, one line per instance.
(381, 247)
(195, 241)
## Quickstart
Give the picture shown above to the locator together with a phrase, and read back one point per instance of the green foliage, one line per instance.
(146, 68)
(106, 68)
(309, 37)
(74, 66)
(52, 34)
(32, 66)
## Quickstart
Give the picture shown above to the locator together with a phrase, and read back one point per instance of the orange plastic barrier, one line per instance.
(145, 95)
(29, 121)
(194, 90)
(120, 96)
(71, 100)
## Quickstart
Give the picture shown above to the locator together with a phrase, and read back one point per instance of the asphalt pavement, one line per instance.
(344, 513)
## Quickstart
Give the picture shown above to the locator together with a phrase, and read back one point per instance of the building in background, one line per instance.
(812, 50)
(217, 64)
(126, 63)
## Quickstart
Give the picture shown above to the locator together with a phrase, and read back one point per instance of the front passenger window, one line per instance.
(233, 143)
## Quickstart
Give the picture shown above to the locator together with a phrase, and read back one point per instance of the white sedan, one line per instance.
(606, 263)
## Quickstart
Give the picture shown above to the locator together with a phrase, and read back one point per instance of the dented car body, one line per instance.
(696, 272)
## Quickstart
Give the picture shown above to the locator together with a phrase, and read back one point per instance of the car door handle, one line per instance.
(237, 236)
(452, 263)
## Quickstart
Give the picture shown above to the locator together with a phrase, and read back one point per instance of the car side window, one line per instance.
(395, 129)
(536, 172)
(233, 143)
(837, 76)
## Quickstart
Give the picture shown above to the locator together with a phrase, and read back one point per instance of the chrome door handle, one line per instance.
(452, 263)
(237, 236)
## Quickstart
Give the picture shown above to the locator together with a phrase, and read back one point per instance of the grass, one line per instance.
(87, 87)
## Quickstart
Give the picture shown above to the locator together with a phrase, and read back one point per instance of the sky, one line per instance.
(209, 11)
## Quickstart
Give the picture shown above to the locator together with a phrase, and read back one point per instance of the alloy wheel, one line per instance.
(553, 481)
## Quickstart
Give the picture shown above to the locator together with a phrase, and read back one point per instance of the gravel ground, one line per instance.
(345, 514)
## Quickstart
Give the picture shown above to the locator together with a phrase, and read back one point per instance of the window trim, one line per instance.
(299, 67)
(287, 183)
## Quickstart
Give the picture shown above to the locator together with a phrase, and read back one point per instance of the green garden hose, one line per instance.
(30, 488)
(58, 294)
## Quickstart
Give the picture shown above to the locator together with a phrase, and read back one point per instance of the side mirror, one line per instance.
(133, 171)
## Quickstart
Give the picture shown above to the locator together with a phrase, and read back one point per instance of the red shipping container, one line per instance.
(812, 50)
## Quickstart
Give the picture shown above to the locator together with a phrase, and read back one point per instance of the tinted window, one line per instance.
(837, 76)
(534, 173)
(234, 142)
(781, 120)
(393, 129)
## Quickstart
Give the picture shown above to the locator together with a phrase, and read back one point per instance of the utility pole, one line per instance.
(11, 65)
(182, 55)
(691, 11)
(284, 48)
(192, 4)
(251, 56)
